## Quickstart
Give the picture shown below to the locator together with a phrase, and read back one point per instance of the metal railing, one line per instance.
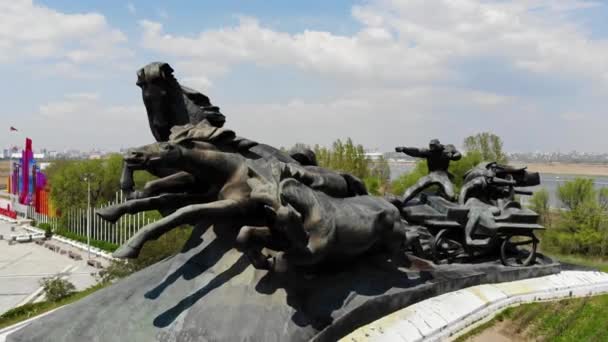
(75, 221)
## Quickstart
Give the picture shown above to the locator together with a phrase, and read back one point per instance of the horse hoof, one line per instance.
(126, 252)
(108, 214)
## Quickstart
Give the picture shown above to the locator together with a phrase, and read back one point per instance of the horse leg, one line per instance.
(127, 185)
(250, 241)
(214, 212)
(313, 253)
(177, 182)
(296, 257)
(113, 213)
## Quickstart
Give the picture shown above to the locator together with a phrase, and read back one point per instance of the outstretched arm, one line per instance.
(453, 152)
(413, 151)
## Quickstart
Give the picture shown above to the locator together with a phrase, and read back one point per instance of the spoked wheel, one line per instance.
(518, 250)
(445, 248)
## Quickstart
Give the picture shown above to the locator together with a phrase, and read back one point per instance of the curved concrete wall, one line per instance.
(446, 316)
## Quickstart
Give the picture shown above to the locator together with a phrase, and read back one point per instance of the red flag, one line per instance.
(13, 129)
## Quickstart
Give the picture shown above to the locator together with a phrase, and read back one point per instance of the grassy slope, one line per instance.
(579, 319)
(27, 311)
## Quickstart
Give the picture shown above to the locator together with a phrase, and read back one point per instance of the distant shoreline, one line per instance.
(574, 169)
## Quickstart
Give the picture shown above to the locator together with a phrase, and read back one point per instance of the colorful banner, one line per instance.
(29, 184)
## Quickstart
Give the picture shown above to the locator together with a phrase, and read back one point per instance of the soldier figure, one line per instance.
(438, 159)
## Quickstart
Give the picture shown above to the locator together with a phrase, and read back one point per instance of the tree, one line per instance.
(576, 192)
(68, 190)
(583, 227)
(489, 145)
(540, 203)
(603, 198)
(344, 157)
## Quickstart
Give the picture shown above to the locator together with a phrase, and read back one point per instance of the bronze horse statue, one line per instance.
(184, 187)
(233, 189)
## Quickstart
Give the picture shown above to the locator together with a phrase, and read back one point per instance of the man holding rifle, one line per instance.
(438, 159)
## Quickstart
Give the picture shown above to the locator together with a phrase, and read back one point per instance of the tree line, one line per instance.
(581, 226)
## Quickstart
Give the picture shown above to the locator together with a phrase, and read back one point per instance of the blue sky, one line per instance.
(384, 72)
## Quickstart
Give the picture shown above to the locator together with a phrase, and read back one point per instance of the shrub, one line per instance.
(56, 288)
(48, 229)
(115, 270)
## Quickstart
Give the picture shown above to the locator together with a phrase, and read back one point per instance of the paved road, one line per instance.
(23, 265)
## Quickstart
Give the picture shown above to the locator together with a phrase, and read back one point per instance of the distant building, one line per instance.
(374, 155)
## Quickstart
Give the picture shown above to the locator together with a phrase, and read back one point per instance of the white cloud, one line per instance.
(131, 8)
(35, 32)
(407, 42)
(85, 118)
(573, 116)
(377, 118)
(410, 47)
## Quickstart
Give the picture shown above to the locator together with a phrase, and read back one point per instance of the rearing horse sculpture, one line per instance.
(170, 104)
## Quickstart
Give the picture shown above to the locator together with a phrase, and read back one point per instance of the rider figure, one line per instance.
(483, 193)
(438, 159)
(484, 180)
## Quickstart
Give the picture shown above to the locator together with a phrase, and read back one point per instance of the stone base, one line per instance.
(210, 292)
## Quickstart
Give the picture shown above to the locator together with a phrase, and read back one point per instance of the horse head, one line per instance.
(169, 104)
(161, 154)
(163, 99)
(165, 154)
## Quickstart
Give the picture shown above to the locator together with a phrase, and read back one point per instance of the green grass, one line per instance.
(598, 263)
(27, 311)
(578, 319)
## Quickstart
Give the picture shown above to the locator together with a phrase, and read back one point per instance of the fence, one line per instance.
(75, 221)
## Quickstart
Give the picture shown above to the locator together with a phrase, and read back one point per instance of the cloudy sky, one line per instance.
(384, 72)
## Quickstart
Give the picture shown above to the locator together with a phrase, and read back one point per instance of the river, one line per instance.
(550, 182)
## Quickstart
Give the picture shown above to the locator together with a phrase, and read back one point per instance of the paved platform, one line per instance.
(446, 316)
(23, 265)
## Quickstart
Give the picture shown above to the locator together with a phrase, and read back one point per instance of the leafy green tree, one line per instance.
(576, 192)
(603, 198)
(345, 157)
(69, 190)
(540, 204)
(583, 227)
(489, 145)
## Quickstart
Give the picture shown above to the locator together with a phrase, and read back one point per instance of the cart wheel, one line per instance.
(521, 252)
(444, 248)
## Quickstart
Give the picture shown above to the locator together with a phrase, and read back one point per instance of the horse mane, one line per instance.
(204, 131)
(197, 97)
